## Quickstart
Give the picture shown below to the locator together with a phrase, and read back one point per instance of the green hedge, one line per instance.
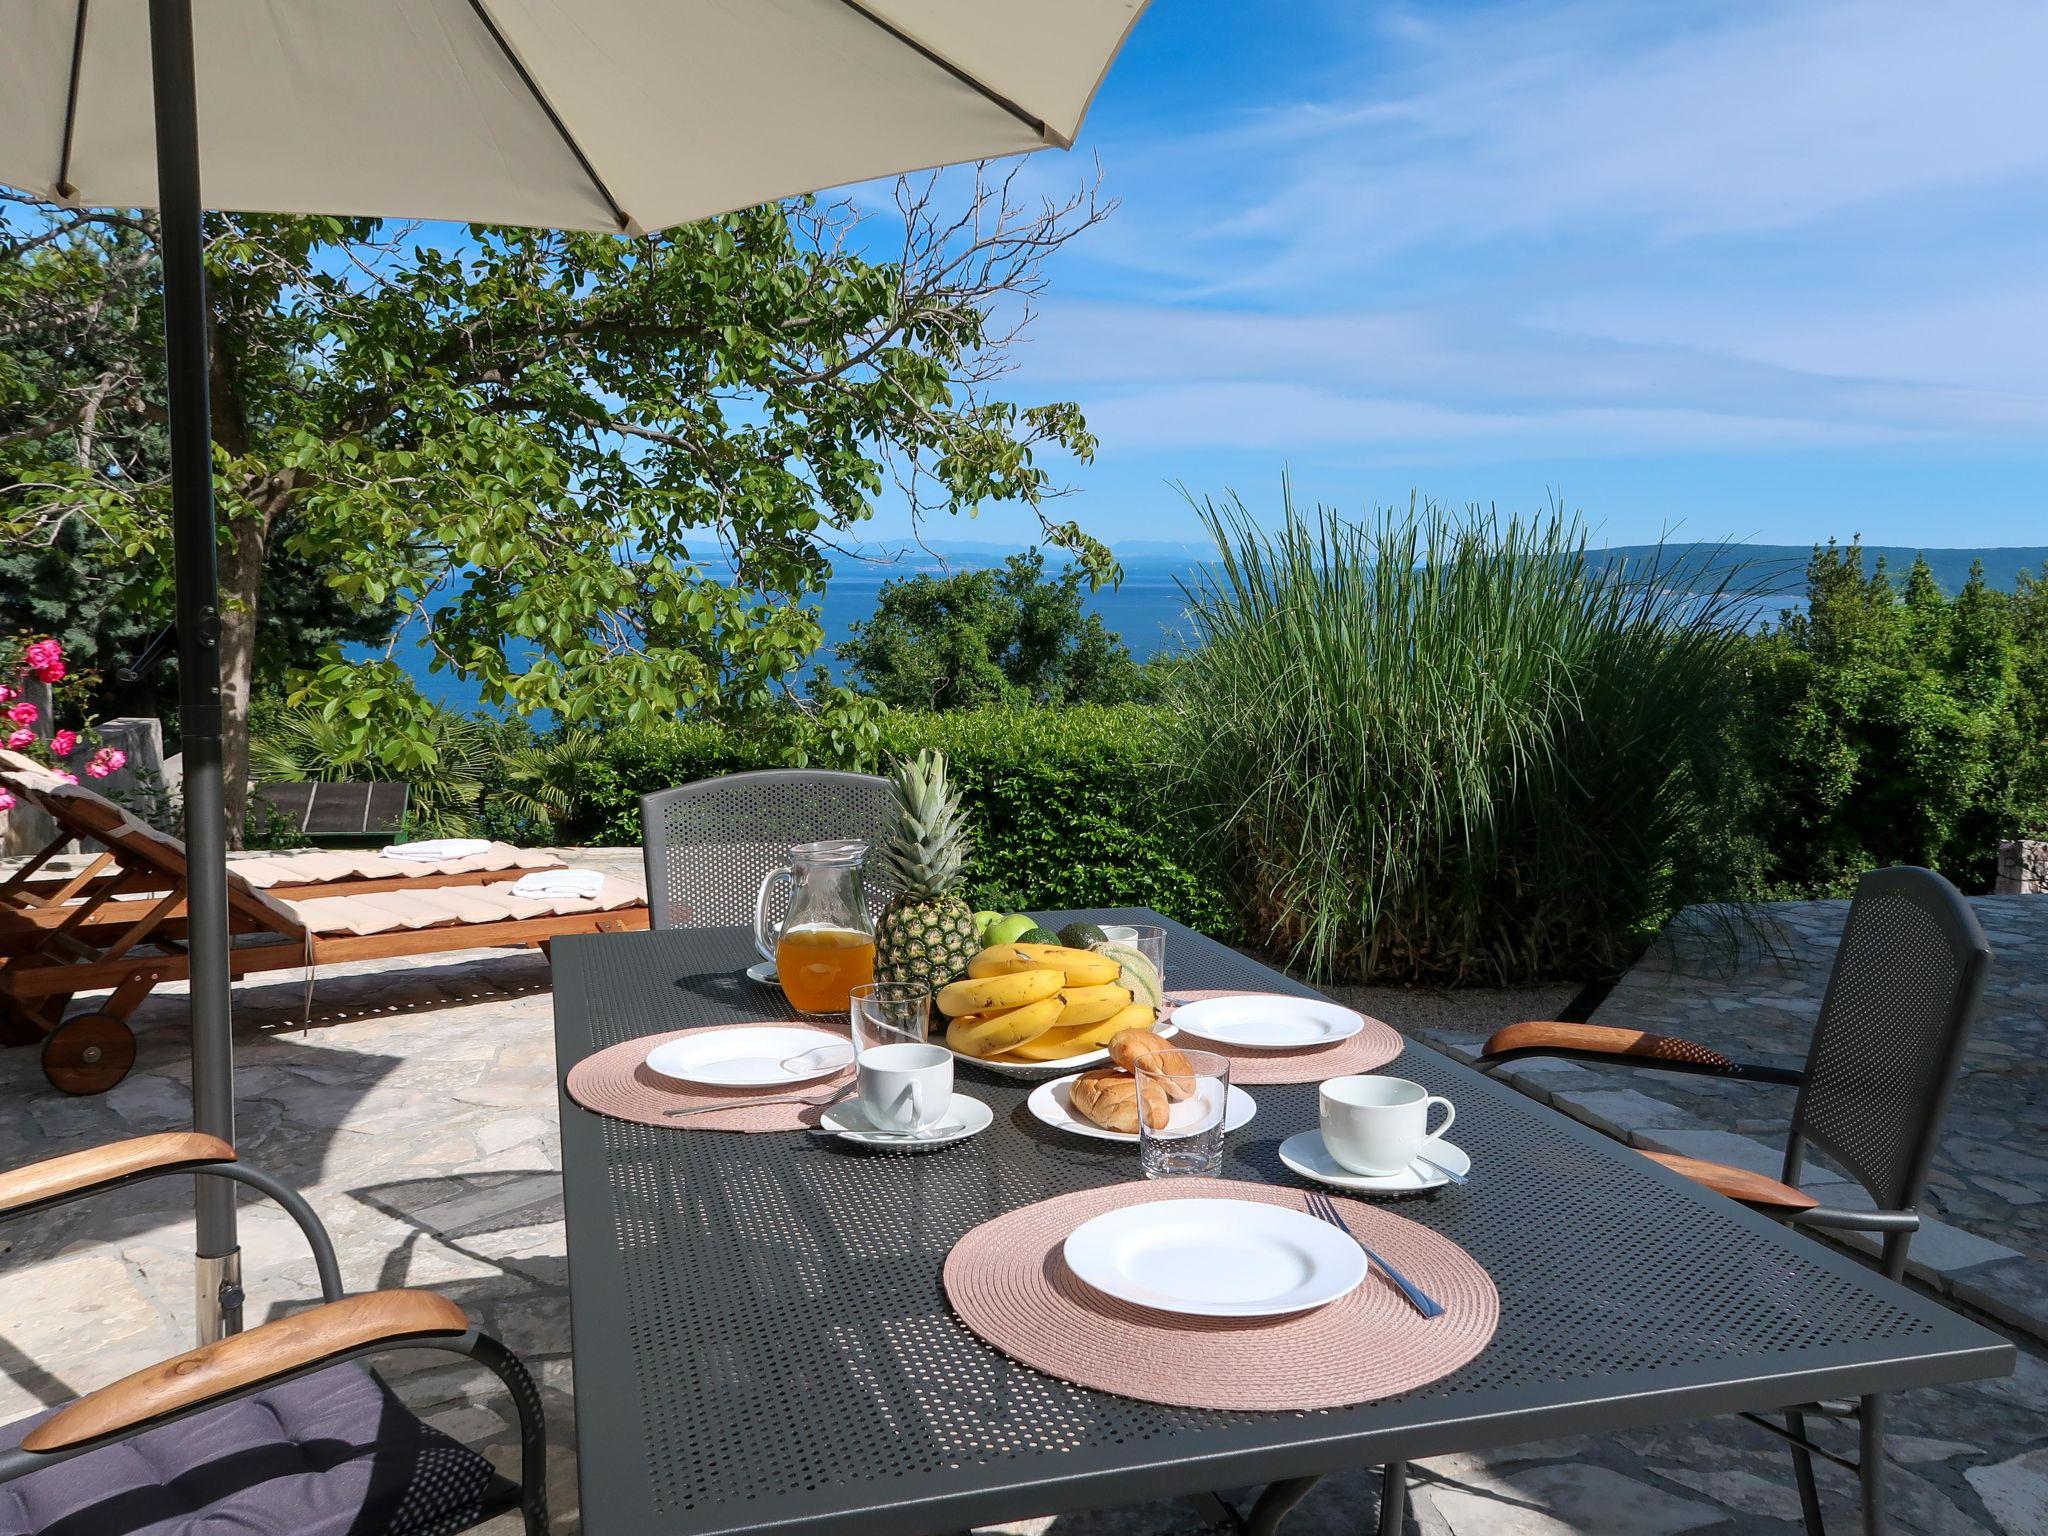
(1069, 806)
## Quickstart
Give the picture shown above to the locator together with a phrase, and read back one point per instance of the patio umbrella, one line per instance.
(628, 115)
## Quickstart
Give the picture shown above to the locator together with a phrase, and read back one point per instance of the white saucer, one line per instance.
(766, 1056)
(964, 1117)
(1269, 1021)
(1164, 1029)
(1050, 1103)
(1215, 1258)
(1307, 1156)
(763, 972)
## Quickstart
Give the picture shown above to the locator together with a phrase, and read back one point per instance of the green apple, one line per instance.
(1006, 930)
(983, 921)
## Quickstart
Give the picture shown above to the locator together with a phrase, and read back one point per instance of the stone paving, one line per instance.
(417, 1113)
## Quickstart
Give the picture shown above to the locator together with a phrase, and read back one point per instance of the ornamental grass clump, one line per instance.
(1451, 747)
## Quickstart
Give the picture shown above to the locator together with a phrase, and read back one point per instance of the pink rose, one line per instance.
(64, 743)
(45, 658)
(66, 776)
(7, 693)
(6, 799)
(21, 738)
(24, 713)
(105, 761)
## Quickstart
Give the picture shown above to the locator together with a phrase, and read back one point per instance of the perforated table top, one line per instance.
(762, 1344)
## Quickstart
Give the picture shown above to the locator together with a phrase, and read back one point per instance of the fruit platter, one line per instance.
(1034, 1003)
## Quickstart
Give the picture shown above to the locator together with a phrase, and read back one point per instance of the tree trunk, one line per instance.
(241, 582)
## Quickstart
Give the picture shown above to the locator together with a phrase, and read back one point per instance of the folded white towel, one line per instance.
(438, 848)
(583, 884)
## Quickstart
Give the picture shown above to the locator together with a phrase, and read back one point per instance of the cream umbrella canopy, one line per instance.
(625, 115)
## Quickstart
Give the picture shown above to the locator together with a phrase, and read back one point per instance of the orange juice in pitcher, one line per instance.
(820, 967)
(824, 946)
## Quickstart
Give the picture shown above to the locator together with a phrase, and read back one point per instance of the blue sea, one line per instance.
(1148, 611)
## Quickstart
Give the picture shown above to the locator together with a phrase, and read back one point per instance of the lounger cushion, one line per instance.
(316, 866)
(451, 906)
(330, 1454)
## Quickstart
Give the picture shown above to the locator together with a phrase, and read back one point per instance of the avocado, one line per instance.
(1039, 936)
(1082, 936)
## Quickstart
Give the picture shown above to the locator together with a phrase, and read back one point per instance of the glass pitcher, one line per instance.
(826, 944)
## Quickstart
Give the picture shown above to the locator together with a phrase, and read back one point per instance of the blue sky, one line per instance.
(1733, 270)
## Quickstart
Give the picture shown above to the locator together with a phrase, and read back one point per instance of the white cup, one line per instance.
(1376, 1125)
(905, 1087)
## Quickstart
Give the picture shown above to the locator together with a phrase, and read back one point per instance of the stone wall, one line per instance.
(2022, 868)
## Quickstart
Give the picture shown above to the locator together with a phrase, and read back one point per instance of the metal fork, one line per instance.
(1324, 1208)
(825, 1103)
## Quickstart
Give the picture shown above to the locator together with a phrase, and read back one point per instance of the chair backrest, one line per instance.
(1887, 1049)
(708, 844)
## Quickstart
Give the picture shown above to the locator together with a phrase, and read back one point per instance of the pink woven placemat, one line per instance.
(1009, 1283)
(616, 1081)
(1371, 1048)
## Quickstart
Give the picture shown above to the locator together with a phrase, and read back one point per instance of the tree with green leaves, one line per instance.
(1896, 723)
(601, 476)
(970, 639)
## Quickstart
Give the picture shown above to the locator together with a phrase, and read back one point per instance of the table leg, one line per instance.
(1274, 1504)
(1393, 1497)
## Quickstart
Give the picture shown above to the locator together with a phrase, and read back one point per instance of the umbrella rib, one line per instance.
(972, 82)
(64, 188)
(540, 98)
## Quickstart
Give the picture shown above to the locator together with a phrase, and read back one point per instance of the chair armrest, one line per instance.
(286, 1347)
(78, 1173)
(1736, 1183)
(1623, 1048)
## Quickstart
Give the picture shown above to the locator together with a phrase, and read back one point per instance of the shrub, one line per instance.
(1441, 748)
(1069, 806)
(1897, 724)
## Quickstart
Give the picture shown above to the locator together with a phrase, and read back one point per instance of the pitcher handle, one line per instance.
(763, 941)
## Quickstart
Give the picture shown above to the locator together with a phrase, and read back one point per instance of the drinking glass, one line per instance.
(1148, 939)
(1190, 1144)
(888, 1013)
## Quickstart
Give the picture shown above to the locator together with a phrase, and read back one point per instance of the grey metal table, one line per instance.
(762, 1343)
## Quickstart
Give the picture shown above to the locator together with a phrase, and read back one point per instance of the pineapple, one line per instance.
(927, 933)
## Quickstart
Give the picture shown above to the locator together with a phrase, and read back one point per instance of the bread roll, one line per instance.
(1110, 1099)
(1136, 1048)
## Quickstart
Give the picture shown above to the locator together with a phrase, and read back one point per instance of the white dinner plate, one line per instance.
(1307, 1156)
(1063, 1066)
(963, 1118)
(764, 972)
(1052, 1104)
(760, 1057)
(1269, 1021)
(1215, 1258)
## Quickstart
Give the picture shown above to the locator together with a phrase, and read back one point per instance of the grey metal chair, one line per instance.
(1886, 1051)
(707, 845)
(275, 1430)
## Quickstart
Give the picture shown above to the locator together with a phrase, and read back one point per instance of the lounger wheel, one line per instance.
(89, 1053)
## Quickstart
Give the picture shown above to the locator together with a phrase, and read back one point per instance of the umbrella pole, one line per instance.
(187, 361)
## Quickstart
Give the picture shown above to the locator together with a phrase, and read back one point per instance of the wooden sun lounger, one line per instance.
(119, 924)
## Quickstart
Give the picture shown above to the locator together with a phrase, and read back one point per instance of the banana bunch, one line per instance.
(1038, 1003)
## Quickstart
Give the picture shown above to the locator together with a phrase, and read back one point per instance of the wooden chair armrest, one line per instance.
(76, 1172)
(1600, 1039)
(1736, 1183)
(289, 1345)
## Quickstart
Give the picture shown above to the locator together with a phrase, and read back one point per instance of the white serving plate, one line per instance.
(1050, 1103)
(1269, 1021)
(1064, 1065)
(1307, 1156)
(964, 1117)
(763, 1056)
(1215, 1258)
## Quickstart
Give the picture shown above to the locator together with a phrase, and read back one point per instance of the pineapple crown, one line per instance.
(927, 841)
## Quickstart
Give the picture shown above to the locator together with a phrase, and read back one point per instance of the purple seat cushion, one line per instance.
(331, 1454)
